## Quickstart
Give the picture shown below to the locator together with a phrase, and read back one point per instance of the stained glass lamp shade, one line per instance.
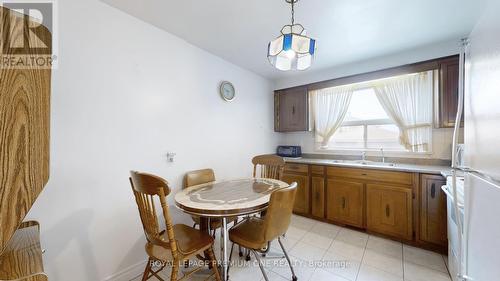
(293, 50)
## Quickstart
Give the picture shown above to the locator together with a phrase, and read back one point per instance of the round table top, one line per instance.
(227, 198)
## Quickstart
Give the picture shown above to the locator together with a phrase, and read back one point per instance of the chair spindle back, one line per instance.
(146, 187)
(268, 166)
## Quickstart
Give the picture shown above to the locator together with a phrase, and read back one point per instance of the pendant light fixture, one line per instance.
(292, 50)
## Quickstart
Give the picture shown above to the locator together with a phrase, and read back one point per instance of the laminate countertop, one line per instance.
(414, 168)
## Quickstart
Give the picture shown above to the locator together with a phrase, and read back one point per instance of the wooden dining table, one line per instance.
(225, 199)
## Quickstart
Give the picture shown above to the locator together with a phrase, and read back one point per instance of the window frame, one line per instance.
(365, 124)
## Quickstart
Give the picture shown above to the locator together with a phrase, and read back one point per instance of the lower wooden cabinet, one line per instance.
(345, 202)
(301, 205)
(432, 212)
(318, 197)
(389, 210)
(409, 207)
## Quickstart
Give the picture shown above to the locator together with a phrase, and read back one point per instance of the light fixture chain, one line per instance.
(293, 12)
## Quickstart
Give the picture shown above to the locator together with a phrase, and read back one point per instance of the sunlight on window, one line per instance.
(366, 126)
(365, 106)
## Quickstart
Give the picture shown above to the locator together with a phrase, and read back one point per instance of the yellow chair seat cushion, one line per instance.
(189, 242)
(249, 234)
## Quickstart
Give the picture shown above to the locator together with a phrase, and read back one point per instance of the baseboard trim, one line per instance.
(128, 273)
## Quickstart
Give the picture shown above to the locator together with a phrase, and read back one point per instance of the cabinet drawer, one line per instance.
(296, 168)
(373, 175)
(317, 170)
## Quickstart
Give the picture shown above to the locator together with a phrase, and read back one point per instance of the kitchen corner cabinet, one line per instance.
(345, 202)
(448, 91)
(291, 110)
(432, 212)
(300, 174)
(389, 210)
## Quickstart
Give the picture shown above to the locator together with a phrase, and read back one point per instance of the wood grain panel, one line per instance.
(292, 110)
(371, 175)
(389, 210)
(448, 94)
(345, 202)
(24, 135)
(433, 217)
(296, 168)
(22, 255)
(301, 205)
(317, 170)
(318, 197)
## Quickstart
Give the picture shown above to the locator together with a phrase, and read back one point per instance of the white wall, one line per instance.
(124, 94)
(442, 138)
(420, 53)
(441, 145)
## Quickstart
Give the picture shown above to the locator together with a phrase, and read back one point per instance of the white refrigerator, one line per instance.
(481, 222)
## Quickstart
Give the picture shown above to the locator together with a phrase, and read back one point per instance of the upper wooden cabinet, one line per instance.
(389, 210)
(24, 127)
(448, 91)
(291, 108)
(432, 212)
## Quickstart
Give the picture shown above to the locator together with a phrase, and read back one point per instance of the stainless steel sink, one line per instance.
(364, 163)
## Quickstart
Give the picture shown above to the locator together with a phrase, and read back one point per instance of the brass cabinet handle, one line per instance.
(387, 210)
(343, 202)
(433, 191)
(363, 174)
(293, 109)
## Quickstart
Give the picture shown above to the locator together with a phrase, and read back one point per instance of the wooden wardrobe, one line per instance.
(24, 148)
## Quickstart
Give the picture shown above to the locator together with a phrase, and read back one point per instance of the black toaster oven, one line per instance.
(292, 151)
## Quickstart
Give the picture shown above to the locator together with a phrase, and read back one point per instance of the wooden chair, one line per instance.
(268, 166)
(200, 177)
(256, 233)
(177, 243)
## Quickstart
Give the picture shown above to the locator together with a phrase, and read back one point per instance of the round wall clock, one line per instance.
(227, 91)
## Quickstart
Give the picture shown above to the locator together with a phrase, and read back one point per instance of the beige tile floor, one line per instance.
(327, 252)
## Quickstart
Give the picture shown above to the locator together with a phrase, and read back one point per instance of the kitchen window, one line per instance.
(394, 114)
(366, 125)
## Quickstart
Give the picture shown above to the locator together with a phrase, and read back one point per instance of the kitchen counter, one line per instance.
(427, 169)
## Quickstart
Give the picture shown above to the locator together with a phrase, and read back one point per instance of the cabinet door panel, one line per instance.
(318, 197)
(389, 210)
(301, 205)
(292, 110)
(345, 202)
(433, 217)
(448, 99)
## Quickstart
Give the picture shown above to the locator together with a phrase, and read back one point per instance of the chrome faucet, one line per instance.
(363, 155)
(383, 157)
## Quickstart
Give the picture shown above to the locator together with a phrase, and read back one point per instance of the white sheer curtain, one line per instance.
(408, 102)
(329, 107)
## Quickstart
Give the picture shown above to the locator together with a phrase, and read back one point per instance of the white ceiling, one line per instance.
(346, 30)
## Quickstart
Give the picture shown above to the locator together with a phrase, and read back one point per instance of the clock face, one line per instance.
(227, 91)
